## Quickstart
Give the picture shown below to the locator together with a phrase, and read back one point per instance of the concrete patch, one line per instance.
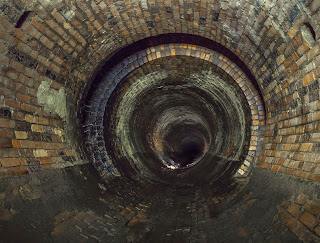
(53, 101)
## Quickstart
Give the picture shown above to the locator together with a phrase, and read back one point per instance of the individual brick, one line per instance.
(5, 143)
(312, 207)
(23, 98)
(27, 144)
(308, 219)
(6, 133)
(4, 123)
(296, 227)
(19, 170)
(40, 153)
(29, 118)
(16, 143)
(12, 103)
(21, 135)
(10, 162)
(294, 209)
(45, 160)
(37, 128)
(308, 78)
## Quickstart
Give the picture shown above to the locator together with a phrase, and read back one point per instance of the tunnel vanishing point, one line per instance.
(159, 121)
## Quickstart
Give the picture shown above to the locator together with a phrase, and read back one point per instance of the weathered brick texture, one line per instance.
(63, 43)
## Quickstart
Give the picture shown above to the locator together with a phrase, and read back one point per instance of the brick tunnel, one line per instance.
(159, 121)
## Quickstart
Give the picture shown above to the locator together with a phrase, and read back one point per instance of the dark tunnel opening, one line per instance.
(176, 111)
(189, 150)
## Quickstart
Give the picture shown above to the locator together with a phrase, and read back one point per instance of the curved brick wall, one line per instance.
(63, 43)
(95, 110)
(68, 70)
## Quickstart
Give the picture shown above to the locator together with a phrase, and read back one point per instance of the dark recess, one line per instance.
(23, 19)
(309, 26)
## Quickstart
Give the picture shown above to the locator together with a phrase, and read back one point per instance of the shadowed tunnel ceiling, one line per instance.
(162, 121)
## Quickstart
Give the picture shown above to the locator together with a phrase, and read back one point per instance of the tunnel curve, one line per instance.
(165, 124)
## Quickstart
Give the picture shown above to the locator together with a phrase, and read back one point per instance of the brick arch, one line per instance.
(95, 106)
(251, 52)
(113, 59)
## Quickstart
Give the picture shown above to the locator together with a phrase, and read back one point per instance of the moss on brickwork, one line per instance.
(52, 100)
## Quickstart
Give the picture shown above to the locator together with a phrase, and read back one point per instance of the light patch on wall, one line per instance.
(53, 100)
(308, 34)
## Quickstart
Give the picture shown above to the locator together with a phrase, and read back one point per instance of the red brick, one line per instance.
(28, 108)
(314, 177)
(17, 170)
(7, 92)
(10, 73)
(10, 162)
(6, 133)
(302, 174)
(21, 135)
(23, 161)
(284, 216)
(54, 146)
(308, 219)
(43, 121)
(58, 16)
(308, 78)
(45, 160)
(16, 143)
(6, 37)
(38, 25)
(296, 227)
(294, 209)
(47, 42)
(288, 62)
(37, 128)
(34, 101)
(5, 143)
(46, 166)
(306, 147)
(26, 81)
(18, 33)
(27, 144)
(302, 49)
(4, 122)
(12, 103)
(52, 153)
(23, 98)
(38, 144)
(4, 60)
(275, 167)
(18, 115)
(315, 51)
(312, 207)
(290, 171)
(5, 23)
(18, 66)
(20, 88)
